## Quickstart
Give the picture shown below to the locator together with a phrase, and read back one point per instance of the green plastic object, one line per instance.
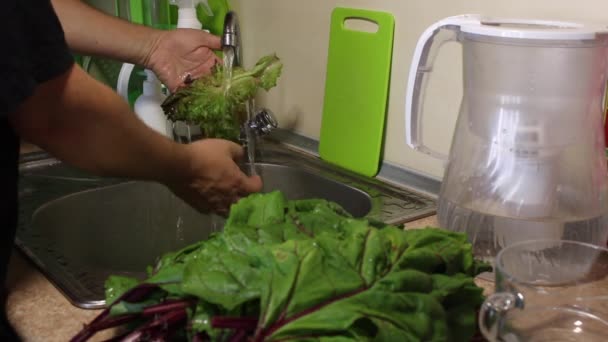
(77, 58)
(356, 91)
(215, 23)
(154, 13)
(136, 11)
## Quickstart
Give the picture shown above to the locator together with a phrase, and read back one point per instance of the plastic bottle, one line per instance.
(187, 18)
(186, 13)
(147, 106)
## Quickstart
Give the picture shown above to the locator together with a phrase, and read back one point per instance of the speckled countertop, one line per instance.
(39, 312)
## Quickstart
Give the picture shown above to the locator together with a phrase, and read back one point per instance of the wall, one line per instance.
(298, 32)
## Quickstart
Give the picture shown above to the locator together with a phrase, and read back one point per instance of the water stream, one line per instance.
(250, 108)
(251, 138)
(228, 64)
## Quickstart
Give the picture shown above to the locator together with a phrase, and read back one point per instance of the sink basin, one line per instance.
(79, 229)
(119, 229)
(86, 230)
(300, 184)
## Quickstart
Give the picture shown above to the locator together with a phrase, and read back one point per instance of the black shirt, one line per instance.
(33, 51)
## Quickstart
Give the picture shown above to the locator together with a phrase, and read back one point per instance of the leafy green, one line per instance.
(116, 286)
(218, 106)
(307, 271)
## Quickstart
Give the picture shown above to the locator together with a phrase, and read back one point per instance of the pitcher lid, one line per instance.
(530, 28)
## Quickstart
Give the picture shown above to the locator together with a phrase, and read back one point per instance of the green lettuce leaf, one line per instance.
(217, 108)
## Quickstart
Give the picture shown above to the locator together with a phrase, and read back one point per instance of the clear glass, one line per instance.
(527, 158)
(548, 290)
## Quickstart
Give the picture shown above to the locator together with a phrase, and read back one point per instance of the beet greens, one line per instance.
(302, 270)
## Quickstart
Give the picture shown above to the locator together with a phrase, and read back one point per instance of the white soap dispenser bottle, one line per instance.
(187, 18)
(186, 13)
(147, 106)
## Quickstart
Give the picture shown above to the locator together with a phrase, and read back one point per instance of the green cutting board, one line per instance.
(356, 90)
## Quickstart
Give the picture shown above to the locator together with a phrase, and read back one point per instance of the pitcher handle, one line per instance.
(494, 309)
(422, 65)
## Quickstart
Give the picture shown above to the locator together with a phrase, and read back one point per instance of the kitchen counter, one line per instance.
(39, 312)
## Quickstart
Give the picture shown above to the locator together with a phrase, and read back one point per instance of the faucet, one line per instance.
(231, 37)
(262, 121)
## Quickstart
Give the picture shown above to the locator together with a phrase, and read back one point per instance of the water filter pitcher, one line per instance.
(527, 157)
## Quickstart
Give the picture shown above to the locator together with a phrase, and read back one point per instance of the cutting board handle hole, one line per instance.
(361, 24)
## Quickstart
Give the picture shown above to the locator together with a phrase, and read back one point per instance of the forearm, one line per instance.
(93, 32)
(87, 125)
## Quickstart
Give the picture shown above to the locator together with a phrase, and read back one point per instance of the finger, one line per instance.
(236, 151)
(251, 184)
(221, 210)
(225, 206)
(204, 68)
(198, 203)
(218, 60)
(211, 41)
(210, 64)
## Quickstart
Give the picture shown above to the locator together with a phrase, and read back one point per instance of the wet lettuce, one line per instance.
(218, 107)
(307, 271)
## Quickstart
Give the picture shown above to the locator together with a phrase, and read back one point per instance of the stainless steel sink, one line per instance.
(79, 229)
(299, 184)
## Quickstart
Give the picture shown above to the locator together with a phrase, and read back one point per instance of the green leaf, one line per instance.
(218, 107)
(222, 274)
(257, 210)
(311, 272)
(169, 270)
(201, 319)
(324, 286)
(122, 307)
(116, 286)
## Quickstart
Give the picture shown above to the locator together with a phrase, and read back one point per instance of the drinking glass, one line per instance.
(548, 290)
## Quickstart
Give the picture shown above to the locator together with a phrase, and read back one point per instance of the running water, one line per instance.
(250, 108)
(251, 138)
(228, 64)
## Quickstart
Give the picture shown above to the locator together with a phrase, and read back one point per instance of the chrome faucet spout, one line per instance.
(231, 36)
(261, 121)
(260, 124)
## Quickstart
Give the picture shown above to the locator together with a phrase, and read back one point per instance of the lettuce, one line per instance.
(218, 108)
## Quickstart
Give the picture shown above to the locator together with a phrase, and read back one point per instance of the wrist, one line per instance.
(178, 166)
(149, 48)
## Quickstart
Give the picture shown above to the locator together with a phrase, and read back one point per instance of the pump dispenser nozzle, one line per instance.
(186, 14)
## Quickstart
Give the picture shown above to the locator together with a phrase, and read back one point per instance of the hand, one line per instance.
(213, 180)
(180, 55)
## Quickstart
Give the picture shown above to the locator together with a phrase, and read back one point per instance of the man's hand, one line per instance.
(173, 55)
(213, 180)
(181, 55)
(87, 125)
